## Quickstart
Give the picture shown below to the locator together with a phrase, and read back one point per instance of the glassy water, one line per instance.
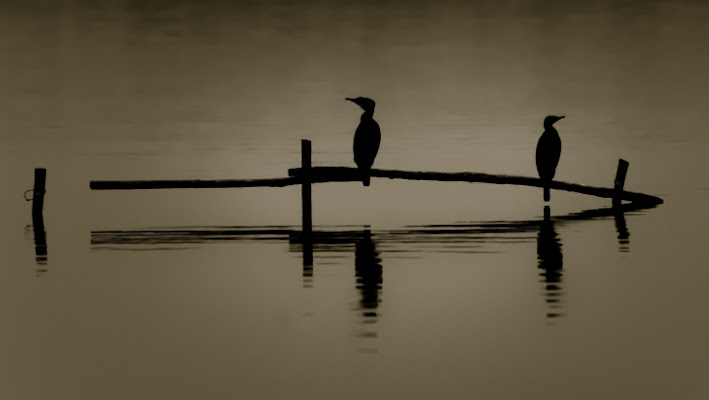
(416, 289)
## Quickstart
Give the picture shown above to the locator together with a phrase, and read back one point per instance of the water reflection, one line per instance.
(369, 283)
(308, 262)
(40, 244)
(622, 228)
(618, 213)
(411, 241)
(337, 244)
(39, 236)
(551, 262)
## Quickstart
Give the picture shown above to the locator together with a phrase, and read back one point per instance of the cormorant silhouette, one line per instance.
(367, 138)
(548, 153)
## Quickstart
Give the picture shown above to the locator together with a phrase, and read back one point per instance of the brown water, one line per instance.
(418, 289)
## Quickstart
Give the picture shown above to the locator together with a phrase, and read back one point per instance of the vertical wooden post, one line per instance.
(305, 150)
(40, 236)
(307, 229)
(619, 182)
(40, 178)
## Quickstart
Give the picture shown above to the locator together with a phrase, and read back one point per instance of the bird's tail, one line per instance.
(547, 193)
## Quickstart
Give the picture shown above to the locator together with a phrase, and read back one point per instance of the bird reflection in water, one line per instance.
(551, 264)
(368, 282)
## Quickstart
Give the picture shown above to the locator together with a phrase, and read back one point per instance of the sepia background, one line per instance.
(421, 289)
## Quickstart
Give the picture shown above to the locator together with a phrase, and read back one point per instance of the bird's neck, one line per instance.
(550, 130)
(367, 115)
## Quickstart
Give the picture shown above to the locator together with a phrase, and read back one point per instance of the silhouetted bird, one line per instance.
(548, 153)
(367, 138)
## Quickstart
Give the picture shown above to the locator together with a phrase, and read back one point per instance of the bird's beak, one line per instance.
(562, 117)
(349, 99)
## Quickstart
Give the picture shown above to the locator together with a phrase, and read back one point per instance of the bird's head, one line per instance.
(366, 103)
(550, 120)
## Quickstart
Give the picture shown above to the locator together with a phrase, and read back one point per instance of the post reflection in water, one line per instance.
(39, 237)
(368, 281)
(622, 228)
(551, 262)
(40, 242)
(308, 262)
(40, 246)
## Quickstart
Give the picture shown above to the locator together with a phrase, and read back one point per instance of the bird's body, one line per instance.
(548, 153)
(367, 138)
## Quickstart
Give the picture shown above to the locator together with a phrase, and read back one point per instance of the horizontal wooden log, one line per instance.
(348, 174)
(193, 184)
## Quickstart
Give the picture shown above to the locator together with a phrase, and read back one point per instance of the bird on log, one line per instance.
(548, 153)
(367, 138)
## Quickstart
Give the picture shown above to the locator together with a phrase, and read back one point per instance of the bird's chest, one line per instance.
(368, 128)
(550, 141)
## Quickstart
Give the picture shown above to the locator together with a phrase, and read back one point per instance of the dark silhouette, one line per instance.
(40, 235)
(368, 273)
(40, 242)
(307, 261)
(622, 229)
(368, 282)
(367, 138)
(40, 245)
(412, 238)
(548, 153)
(551, 262)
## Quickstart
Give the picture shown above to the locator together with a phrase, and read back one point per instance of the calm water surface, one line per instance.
(417, 289)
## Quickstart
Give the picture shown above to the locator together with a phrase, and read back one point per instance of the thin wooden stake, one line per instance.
(40, 177)
(306, 188)
(40, 236)
(619, 182)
